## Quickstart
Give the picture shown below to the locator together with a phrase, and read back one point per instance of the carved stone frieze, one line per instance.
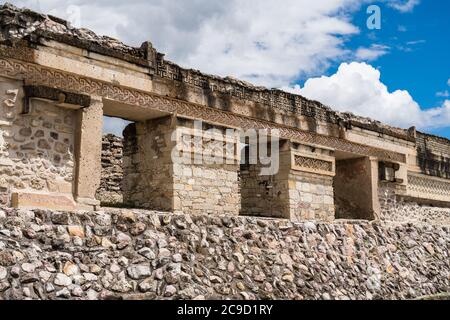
(37, 75)
(425, 187)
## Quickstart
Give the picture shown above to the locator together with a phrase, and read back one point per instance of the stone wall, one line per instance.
(311, 197)
(433, 155)
(395, 208)
(36, 149)
(262, 195)
(210, 189)
(161, 172)
(146, 255)
(111, 190)
(147, 165)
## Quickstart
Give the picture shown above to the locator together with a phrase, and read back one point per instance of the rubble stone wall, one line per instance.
(36, 149)
(125, 254)
(111, 189)
(395, 208)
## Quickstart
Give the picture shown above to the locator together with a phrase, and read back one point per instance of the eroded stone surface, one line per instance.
(219, 257)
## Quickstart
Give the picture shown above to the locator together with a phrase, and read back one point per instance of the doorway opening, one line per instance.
(353, 187)
(110, 191)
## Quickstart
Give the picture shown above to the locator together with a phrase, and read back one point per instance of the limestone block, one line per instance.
(42, 201)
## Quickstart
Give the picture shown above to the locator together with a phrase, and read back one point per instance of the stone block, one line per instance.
(42, 201)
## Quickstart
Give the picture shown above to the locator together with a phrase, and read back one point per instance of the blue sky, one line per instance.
(418, 59)
(321, 49)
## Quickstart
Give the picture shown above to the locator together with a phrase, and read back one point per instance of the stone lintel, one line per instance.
(42, 201)
(62, 97)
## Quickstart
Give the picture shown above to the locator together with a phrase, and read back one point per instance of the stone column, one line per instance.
(374, 181)
(88, 153)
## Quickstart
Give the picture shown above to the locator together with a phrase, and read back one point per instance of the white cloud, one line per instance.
(403, 5)
(415, 42)
(444, 94)
(372, 53)
(448, 82)
(262, 41)
(357, 88)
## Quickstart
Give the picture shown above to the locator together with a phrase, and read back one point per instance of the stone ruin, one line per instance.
(57, 83)
(210, 230)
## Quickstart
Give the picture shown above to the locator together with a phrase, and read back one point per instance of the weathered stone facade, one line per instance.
(37, 150)
(146, 255)
(398, 209)
(62, 81)
(155, 179)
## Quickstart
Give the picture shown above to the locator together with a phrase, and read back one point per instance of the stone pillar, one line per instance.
(88, 154)
(161, 171)
(311, 175)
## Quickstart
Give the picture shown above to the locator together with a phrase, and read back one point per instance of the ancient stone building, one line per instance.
(57, 82)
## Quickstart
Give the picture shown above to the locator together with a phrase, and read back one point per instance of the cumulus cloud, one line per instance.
(403, 5)
(357, 87)
(262, 41)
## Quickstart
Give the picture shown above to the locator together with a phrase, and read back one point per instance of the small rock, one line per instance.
(62, 280)
(90, 277)
(164, 253)
(115, 268)
(28, 267)
(170, 291)
(49, 287)
(70, 269)
(124, 238)
(3, 273)
(138, 228)
(137, 272)
(240, 286)
(92, 295)
(128, 217)
(148, 285)
(76, 231)
(15, 271)
(147, 253)
(60, 218)
(106, 243)
(310, 226)
(288, 277)
(239, 257)
(64, 293)
(95, 269)
(177, 257)
(326, 296)
(77, 291)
